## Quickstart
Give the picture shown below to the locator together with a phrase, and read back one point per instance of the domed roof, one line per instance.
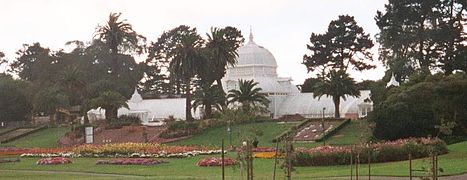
(252, 54)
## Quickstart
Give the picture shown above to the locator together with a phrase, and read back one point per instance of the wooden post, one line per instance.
(251, 160)
(369, 164)
(357, 163)
(289, 161)
(433, 170)
(410, 166)
(247, 154)
(436, 166)
(223, 166)
(275, 161)
(351, 165)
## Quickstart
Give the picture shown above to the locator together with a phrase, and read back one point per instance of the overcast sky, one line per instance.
(282, 26)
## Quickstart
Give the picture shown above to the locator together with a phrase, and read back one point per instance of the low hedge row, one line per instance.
(121, 121)
(381, 152)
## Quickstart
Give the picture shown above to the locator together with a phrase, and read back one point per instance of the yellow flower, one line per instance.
(265, 155)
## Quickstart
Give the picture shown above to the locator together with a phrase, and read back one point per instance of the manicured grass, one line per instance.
(355, 132)
(45, 138)
(453, 163)
(44, 175)
(213, 136)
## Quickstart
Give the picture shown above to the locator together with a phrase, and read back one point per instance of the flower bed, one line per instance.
(53, 161)
(216, 161)
(122, 150)
(380, 152)
(265, 155)
(131, 161)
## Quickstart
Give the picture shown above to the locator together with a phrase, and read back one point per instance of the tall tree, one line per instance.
(2, 58)
(36, 64)
(179, 52)
(15, 104)
(336, 84)
(248, 95)
(120, 37)
(221, 51)
(422, 35)
(343, 45)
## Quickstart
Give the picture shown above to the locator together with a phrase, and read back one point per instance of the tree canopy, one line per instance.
(343, 45)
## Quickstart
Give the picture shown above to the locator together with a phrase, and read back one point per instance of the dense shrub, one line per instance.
(121, 121)
(15, 104)
(420, 107)
(381, 152)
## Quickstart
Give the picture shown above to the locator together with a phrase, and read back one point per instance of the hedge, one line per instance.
(381, 152)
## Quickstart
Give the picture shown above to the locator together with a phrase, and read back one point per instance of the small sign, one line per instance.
(89, 135)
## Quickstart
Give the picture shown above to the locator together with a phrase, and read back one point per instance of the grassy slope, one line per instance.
(453, 163)
(353, 133)
(213, 137)
(356, 131)
(44, 138)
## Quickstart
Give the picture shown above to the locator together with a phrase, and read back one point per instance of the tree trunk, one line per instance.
(337, 102)
(219, 83)
(52, 118)
(188, 116)
(208, 111)
(111, 113)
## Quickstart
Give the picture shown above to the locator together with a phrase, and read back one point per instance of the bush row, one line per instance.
(121, 121)
(382, 152)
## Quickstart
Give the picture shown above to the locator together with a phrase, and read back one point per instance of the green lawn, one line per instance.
(453, 163)
(46, 138)
(213, 136)
(355, 132)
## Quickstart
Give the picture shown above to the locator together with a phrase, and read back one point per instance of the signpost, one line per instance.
(89, 135)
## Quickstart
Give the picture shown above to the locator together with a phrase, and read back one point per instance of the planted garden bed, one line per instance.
(216, 161)
(381, 152)
(115, 150)
(131, 161)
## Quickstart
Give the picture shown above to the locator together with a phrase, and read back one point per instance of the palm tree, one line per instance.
(248, 95)
(72, 80)
(209, 96)
(337, 84)
(221, 46)
(186, 59)
(110, 101)
(119, 36)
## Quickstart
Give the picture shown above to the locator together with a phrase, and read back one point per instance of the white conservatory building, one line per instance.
(257, 63)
